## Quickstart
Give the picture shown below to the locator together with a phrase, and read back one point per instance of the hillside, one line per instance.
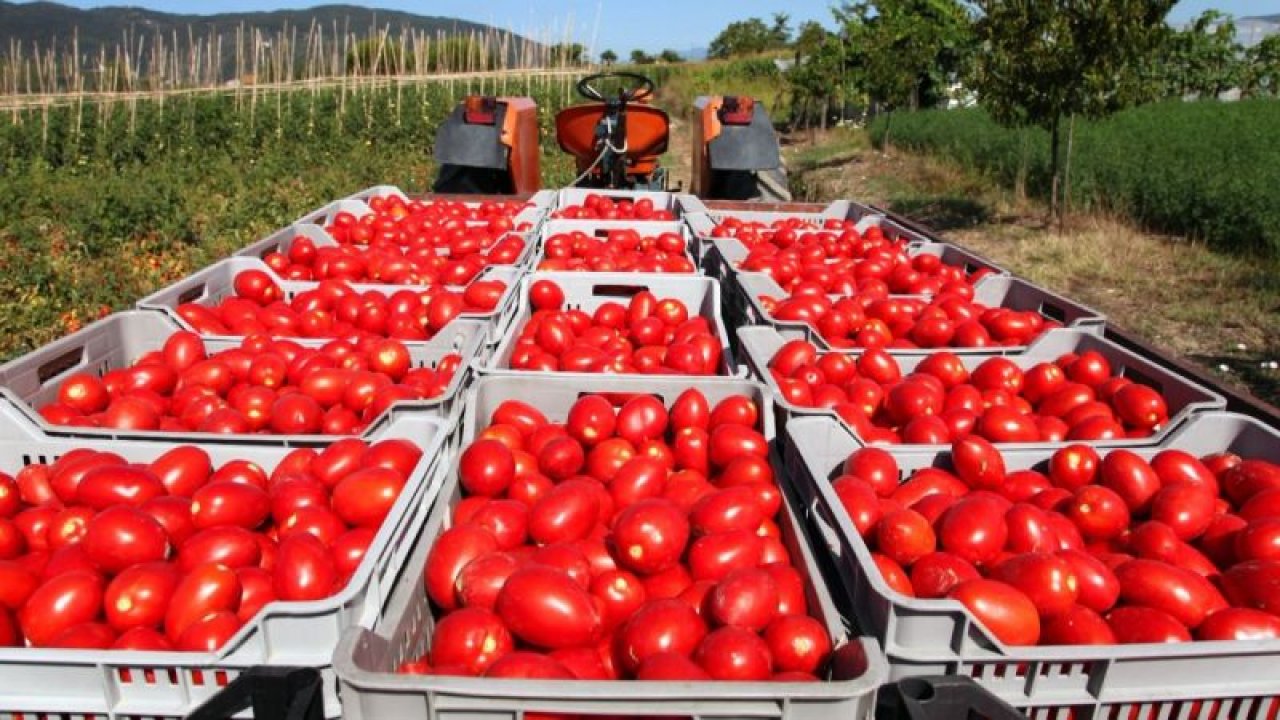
(44, 23)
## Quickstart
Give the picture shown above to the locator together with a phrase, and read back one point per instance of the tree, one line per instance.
(747, 37)
(670, 57)
(1261, 76)
(907, 52)
(780, 32)
(374, 56)
(1202, 60)
(562, 54)
(608, 57)
(640, 57)
(1044, 60)
(810, 37)
(817, 77)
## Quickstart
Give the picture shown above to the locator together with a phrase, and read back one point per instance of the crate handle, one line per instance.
(60, 364)
(192, 294)
(1053, 311)
(292, 693)
(618, 290)
(830, 537)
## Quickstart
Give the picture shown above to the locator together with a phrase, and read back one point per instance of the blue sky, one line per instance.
(617, 24)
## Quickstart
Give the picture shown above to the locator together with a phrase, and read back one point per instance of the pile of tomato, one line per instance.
(397, 221)
(873, 318)
(335, 309)
(646, 335)
(1075, 398)
(1093, 550)
(264, 385)
(619, 251)
(603, 207)
(458, 262)
(632, 542)
(837, 259)
(97, 552)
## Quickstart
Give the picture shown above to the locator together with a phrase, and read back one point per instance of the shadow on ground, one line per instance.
(943, 212)
(1246, 369)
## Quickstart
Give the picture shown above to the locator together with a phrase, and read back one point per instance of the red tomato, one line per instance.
(973, 529)
(1131, 478)
(451, 552)
(482, 579)
(1078, 625)
(119, 537)
(732, 653)
(1146, 625)
(365, 497)
(566, 513)
(660, 626)
(545, 607)
(1099, 512)
(304, 569)
(978, 463)
(229, 503)
(1187, 509)
(1002, 609)
(209, 632)
(712, 557)
(1044, 578)
(621, 594)
(1239, 624)
(486, 468)
(650, 536)
(905, 536)
(205, 590)
(798, 643)
(471, 637)
(182, 470)
(671, 666)
(62, 602)
(1188, 597)
(935, 574)
(230, 546)
(746, 598)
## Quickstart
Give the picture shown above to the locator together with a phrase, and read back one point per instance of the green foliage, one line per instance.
(904, 53)
(562, 54)
(750, 37)
(375, 56)
(1204, 170)
(100, 206)
(1261, 76)
(608, 57)
(670, 56)
(640, 57)
(1203, 59)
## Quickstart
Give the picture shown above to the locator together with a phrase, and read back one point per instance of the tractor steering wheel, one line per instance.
(642, 88)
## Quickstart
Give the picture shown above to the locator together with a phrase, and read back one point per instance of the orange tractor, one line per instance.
(490, 145)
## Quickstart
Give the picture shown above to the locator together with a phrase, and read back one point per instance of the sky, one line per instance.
(620, 25)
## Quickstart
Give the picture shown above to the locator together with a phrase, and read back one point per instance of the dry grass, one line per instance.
(1217, 310)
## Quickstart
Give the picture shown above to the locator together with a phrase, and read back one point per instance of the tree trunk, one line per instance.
(888, 125)
(826, 110)
(1055, 209)
(1066, 171)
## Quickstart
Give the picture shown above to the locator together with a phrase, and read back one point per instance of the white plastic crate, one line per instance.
(32, 380)
(366, 659)
(661, 199)
(213, 284)
(588, 291)
(1224, 679)
(992, 291)
(117, 684)
(601, 229)
(1184, 397)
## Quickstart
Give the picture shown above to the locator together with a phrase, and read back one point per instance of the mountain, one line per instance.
(43, 23)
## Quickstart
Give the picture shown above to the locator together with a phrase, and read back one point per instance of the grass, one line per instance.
(1218, 310)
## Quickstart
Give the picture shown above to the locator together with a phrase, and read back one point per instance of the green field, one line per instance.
(101, 204)
(1204, 170)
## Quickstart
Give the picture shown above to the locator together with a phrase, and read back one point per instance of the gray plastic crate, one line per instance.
(116, 341)
(132, 684)
(602, 228)
(359, 207)
(366, 660)
(992, 291)
(588, 291)
(931, 637)
(211, 285)
(662, 200)
(282, 240)
(1184, 397)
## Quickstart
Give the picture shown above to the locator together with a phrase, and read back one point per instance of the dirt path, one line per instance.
(1221, 312)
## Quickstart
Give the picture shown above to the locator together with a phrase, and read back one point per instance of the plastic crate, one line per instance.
(535, 208)
(992, 291)
(940, 637)
(211, 285)
(32, 380)
(1184, 397)
(602, 228)
(588, 291)
(366, 659)
(661, 199)
(119, 684)
(837, 210)
(282, 240)
(324, 216)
